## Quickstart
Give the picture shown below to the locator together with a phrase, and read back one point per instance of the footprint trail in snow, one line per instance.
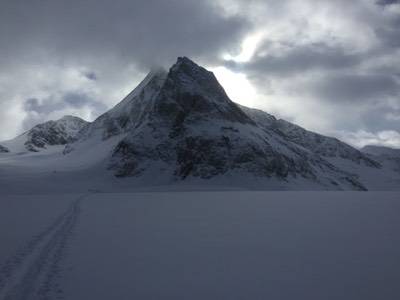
(32, 272)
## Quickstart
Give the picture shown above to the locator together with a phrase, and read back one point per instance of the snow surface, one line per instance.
(201, 245)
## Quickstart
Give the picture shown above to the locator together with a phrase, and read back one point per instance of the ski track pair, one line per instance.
(33, 271)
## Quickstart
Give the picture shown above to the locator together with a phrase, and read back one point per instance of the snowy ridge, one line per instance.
(317, 143)
(182, 127)
(389, 157)
(129, 112)
(51, 133)
(381, 151)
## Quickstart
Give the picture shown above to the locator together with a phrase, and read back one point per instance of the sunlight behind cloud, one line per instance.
(236, 85)
(248, 48)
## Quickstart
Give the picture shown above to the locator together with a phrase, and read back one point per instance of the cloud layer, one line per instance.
(331, 66)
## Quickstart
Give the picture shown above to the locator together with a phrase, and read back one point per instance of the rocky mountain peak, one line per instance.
(192, 78)
(187, 93)
(192, 93)
(187, 67)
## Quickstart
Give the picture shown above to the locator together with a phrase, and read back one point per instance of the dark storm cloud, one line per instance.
(37, 110)
(336, 77)
(356, 88)
(380, 117)
(387, 2)
(294, 59)
(91, 76)
(68, 100)
(316, 56)
(43, 107)
(32, 104)
(144, 32)
(78, 100)
(389, 35)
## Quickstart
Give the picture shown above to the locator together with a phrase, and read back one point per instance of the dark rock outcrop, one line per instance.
(4, 149)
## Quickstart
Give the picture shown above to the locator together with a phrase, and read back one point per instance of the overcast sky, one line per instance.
(330, 66)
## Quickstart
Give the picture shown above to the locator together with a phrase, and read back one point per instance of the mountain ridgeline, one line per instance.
(180, 125)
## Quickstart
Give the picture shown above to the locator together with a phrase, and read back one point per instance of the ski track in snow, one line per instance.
(32, 272)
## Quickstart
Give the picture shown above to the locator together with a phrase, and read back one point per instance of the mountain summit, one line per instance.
(192, 91)
(181, 125)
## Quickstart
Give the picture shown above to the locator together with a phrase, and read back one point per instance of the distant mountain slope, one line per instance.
(47, 134)
(389, 157)
(381, 151)
(317, 143)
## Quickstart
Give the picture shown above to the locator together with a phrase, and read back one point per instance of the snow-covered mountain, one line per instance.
(389, 157)
(41, 136)
(317, 143)
(381, 151)
(180, 126)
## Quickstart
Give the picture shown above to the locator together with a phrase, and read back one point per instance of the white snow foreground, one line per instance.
(200, 245)
(31, 273)
(180, 128)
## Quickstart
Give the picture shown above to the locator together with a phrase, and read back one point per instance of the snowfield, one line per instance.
(200, 245)
(169, 195)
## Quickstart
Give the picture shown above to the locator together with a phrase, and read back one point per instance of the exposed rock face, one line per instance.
(52, 133)
(4, 149)
(191, 93)
(181, 124)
